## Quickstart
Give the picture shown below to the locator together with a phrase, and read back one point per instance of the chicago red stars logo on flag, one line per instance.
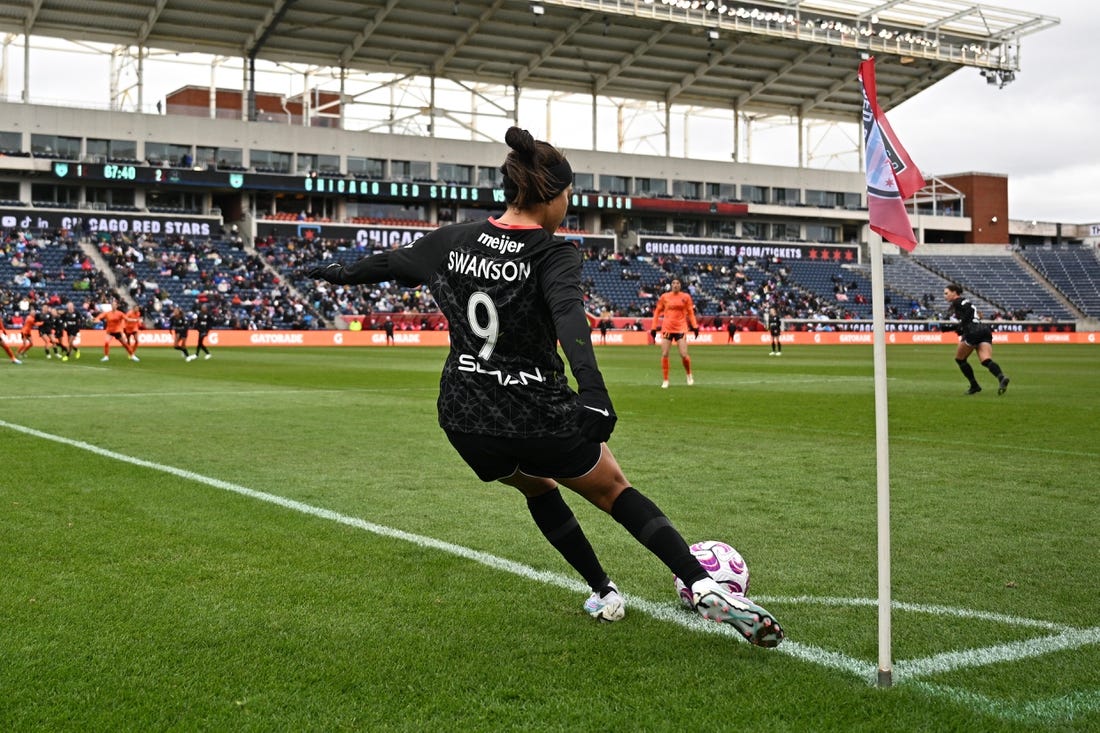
(891, 175)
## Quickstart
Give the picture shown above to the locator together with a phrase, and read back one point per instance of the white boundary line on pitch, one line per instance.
(905, 670)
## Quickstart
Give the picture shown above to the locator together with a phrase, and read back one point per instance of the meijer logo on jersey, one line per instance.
(503, 244)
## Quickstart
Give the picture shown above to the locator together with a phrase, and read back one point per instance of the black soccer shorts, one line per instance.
(978, 335)
(493, 458)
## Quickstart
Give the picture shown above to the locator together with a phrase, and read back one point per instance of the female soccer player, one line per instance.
(115, 321)
(511, 292)
(178, 324)
(30, 322)
(775, 328)
(134, 322)
(4, 344)
(973, 336)
(678, 310)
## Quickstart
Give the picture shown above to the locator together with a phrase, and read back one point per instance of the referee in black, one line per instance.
(511, 291)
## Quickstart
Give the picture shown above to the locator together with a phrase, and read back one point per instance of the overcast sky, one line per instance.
(1040, 130)
(1043, 129)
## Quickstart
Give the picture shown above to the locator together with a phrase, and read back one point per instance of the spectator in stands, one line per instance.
(974, 335)
(532, 437)
(673, 316)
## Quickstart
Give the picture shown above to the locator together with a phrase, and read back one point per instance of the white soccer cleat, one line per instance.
(16, 361)
(206, 357)
(716, 603)
(606, 604)
(192, 357)
(133, 357)
(106, 358)
(691, 380)
(664, 384)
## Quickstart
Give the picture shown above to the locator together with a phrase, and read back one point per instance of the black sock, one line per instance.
(967, 370)
(993, 368)
(560, 527)
(643, 519)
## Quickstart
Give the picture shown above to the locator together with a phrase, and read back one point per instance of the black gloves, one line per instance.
(695, 332)
(333, 272)
(596, 418)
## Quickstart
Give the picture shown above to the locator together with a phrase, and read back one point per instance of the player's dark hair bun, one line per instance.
(522, 142)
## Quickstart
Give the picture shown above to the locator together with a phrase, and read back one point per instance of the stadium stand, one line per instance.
(1074, 271)
(1001, 280)
(914, 290)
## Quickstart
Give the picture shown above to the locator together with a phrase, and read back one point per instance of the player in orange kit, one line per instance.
(130, 326)
(115, 320)
(30, 322)
(4, 344)
(678, 310)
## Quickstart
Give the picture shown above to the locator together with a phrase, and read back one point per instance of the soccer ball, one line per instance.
(724, 564)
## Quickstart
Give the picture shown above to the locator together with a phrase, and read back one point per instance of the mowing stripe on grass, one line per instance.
(672, 612)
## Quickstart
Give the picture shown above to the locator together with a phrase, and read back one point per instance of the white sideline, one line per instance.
(672, 612)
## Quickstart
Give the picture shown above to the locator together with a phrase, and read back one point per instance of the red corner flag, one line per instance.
(891, 175)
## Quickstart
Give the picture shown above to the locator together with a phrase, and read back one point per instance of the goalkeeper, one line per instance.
(677, 310)
(511, 292)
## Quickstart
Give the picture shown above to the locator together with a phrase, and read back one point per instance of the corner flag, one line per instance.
(891, 175)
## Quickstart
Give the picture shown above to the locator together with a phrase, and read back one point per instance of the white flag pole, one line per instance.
(882, 452)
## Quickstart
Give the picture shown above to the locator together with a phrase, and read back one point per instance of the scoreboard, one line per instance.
(337, 186)
(126, 173)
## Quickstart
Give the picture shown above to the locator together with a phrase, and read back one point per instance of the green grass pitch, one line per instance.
(282, 539)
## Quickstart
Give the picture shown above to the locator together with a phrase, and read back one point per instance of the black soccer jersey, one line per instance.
(71, 321)
(965, 312)
(970, 328)
(178, 323)
(203, 322)
(775, 324)
(47, 323)
(509, 295)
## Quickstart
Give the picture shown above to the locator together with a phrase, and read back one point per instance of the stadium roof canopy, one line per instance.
(797, 57)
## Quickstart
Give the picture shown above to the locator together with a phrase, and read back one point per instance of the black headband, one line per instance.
(561, 174)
